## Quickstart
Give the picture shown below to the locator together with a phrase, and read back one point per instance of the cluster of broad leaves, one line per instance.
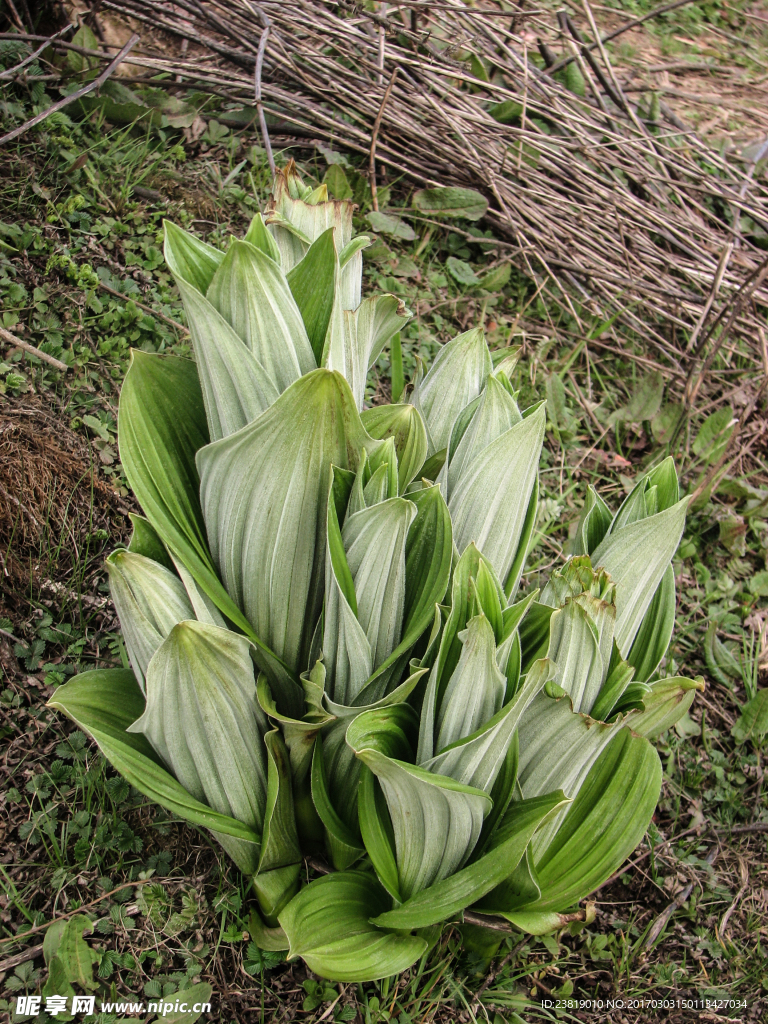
(328, 650)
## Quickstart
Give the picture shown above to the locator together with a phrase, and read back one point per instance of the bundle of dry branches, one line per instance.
(615, 215)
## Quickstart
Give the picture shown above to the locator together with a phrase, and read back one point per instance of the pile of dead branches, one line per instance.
(617, 213)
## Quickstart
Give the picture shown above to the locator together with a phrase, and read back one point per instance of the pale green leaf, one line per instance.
(328, 926)
(236, 387)
(666, 703)
(104, 703)
(274, 889)
(405, 425)
(190, 258)
(471, 883)
(475, 691)
(252, 294)
(496, 413)
(161, 427)
(436, 821)
(455, 379)
(477, 758)
(574, 649)
(258, 234)
(357, 337)
(557, 749)
(489, 504)
(149, 601)
(594, 523)
(203, 720)
(374, 540)
(280, 842)
(264, 492)
(636, 557)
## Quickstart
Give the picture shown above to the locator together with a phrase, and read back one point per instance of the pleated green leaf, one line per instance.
(202, 719)
(475, 692)
(145, 541)
(236, 387)
(328, 926)
(356, 337)
(280, 842)
(489, 504)
(496, 412)
(341, 835)
(594, 523)
(476, 759)
(103, 703)
(574, 649)
(149, 601)
(455, 379)
(274, 890)
(252, 294)
(452, 895)
(161, 427)
(436, 821)
(652, 639)
(636, 557)
(377, 833)
(405, 425)
(264, 491)
(259, 235)
(342, 769)
(557, 749)
(190, 258)
(512, 582)
(374, 541)
(604, 824)
(313, 283)
(665, 703)
(428, 552)
(346, 648)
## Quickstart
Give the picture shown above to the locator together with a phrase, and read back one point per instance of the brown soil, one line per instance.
(54, 508)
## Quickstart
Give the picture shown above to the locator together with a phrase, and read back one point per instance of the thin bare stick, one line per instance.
(22, 957)
(13, 340)
(147, 309)
(624, 28)
(265, 21)
(15, 16)
(75, 95)
(662, 920)
(374, 138)
(36, 53)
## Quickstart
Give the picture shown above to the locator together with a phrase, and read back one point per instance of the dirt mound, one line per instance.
(56, 514)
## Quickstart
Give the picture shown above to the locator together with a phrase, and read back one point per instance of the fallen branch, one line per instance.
(95, 84)
(147, 309)
(374, 139)
(622, 29)
(662, 920)
(19, 343)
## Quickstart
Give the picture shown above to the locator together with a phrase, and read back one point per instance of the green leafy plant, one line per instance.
(329, 653)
